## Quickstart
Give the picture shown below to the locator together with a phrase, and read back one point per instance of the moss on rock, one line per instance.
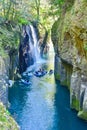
(82, 115)
(6, 121)
(66, 83)
(57, 76)
(75, 104)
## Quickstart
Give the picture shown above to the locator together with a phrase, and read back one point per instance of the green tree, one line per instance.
(15, 13)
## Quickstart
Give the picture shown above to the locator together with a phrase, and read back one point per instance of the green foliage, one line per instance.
(85, 46)
(23, 21)
(9, 28)
(15, 13)
(9, 38)
(57, 2)
(56, 6)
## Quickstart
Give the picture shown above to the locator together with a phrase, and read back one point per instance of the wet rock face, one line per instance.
(71, 44)
(4, 76)
(25, 56)
(75, 89)
(13, 67)
(63, 71)
(8, 67)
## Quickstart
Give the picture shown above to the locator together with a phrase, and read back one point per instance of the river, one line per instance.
(44, 105)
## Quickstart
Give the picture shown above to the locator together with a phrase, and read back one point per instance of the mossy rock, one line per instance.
(57, 76)
(6, 121)
(75, 104)
(66, 83)
(82, 115)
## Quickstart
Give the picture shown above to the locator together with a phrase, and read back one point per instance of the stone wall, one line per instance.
(71, 53)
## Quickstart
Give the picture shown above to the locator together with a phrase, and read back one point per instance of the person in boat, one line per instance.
(40, 71)
(51, 71)
(26, 80)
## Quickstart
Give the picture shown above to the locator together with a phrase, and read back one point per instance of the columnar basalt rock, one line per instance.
(71, 48)
(75, 89)
(4, 77)
(6, 121)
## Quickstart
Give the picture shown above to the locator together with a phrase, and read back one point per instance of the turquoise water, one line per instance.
(44, 105)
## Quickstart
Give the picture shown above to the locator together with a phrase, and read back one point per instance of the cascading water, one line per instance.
(28, 30)
(29, 52)
(36, 50)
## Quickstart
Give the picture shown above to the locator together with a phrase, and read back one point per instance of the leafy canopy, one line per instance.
(15, 13)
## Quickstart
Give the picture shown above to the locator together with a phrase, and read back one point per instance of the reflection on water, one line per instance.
(44, 105)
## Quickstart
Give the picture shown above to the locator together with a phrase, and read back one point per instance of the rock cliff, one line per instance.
(4, 77)
(6, 122)
(69, 36)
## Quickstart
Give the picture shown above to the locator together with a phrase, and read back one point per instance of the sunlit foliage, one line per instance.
(15, 13)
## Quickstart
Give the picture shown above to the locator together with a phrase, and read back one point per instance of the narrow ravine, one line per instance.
(44, 105)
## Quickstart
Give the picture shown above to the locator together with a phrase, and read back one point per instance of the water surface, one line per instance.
(44, 105)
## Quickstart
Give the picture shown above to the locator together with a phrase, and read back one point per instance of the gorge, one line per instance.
(51, 99)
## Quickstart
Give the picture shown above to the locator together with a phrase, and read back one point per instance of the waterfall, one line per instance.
(33, 43)
(29, 49)
(36, 51)
(28, 30)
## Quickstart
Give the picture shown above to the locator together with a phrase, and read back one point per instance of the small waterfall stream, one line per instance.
(36, 50)
(29, 52)
(31, 44)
